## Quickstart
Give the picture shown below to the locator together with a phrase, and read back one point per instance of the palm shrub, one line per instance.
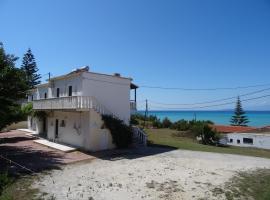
(121, 133)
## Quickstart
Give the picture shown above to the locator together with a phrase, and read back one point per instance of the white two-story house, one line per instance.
(74, 104)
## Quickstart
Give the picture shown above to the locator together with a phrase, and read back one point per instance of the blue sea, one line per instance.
(256, 118)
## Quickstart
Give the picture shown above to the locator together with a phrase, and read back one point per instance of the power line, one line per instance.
(207, 102)
(204, 89)
(215, 105)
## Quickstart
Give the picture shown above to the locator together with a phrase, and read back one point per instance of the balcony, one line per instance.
(80, 103)
(133, 106)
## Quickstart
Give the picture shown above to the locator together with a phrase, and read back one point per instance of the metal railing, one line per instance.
(133, 105)
(140, 135)
(72, 102)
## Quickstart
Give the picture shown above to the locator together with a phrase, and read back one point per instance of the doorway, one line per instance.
(56, 128)
(45, 127)
(69, 91)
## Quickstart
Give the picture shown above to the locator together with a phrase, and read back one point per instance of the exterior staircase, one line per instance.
(85, 103)
(139, 137)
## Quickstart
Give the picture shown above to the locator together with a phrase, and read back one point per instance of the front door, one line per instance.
(45, 126)
(70, 91)
(56, 128)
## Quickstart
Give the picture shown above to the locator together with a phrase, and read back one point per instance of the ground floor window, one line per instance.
(238, 141)
(247, 140)
(231, 140)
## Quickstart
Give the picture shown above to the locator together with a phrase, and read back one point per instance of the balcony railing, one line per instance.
(133, 106)
(73, 102)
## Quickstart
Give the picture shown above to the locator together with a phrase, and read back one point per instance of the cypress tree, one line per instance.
(239, 118)
(29, 66)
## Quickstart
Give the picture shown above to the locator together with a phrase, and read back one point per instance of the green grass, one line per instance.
(19, 189)
(171, 138)
(249, 185)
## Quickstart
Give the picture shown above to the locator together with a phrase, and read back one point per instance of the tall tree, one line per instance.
(13, 87)
(29, 66)
(239, 118)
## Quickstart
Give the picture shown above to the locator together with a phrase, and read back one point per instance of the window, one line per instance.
(45, 95)
(69, 91)
(32, 97)
(247, 140)
(231, 140)
(57, 92)
(62, 124)
(238, 141)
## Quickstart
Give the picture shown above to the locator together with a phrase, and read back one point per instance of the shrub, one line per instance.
(27, 109)
(134, 120)
(5, 180)
(181, 125)
(157, 123)
(152, 118)
(121, 133)
(166, 123)
(207, 134)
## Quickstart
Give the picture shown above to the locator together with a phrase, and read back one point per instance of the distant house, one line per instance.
(245, 136)
(73, 105)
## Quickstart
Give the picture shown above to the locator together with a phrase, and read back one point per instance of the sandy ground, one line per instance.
(176, 174)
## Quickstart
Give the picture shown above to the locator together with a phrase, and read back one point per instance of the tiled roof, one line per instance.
(232, 129)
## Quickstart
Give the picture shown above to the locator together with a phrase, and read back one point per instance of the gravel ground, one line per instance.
(176, 174)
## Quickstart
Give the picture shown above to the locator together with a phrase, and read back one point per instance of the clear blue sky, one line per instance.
(188, 43)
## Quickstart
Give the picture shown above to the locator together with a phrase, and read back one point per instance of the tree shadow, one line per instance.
(18, 161)
(14, 139)
(132, 153)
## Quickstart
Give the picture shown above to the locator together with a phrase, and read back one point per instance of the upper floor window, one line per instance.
(69, 91)
(45, 95)
(57, 92)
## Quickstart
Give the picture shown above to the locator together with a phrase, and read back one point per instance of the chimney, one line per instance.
(117, 74)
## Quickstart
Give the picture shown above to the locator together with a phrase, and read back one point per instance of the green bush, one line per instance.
(157, 123)
(206, 133)
(134, 120)
(181, 125)
(166, 123)
(5, 180)
(121, 133)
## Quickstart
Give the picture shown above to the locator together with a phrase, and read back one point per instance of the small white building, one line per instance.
(258, 138)
(74, 103)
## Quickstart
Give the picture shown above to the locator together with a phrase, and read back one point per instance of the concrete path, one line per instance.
(54, 145)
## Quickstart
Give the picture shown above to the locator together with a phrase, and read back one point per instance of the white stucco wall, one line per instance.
(82, 129)
(73, 131)
(63, 84)
(112, 92)
(259, 140)
(100, 138)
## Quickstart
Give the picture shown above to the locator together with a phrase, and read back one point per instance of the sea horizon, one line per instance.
(257, 118)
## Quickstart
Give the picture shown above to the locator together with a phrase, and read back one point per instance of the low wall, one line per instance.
(19, 125)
